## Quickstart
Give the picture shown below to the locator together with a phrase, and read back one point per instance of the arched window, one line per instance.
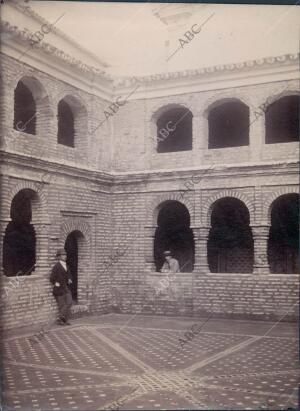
(228, 125)
(283, 244)
(174, 233)
(282, 120)
(66, 128)
(24, 109)
(174, 130)
(19, 244)
(230, 243)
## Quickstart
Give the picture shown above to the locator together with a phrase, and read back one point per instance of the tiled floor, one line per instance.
(137, 363)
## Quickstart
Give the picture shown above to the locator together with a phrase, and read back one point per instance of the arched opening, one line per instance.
(19, 243)
(66, 128)
(283, 244)
(174, 233)
(282, 120)
(174, 130)
(24, 109)
(228, 125)
(72, 245)
(230, 242)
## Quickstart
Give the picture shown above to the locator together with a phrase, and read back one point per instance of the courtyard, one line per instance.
(136, 362)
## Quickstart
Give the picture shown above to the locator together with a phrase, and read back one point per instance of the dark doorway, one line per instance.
(230, 243)
(174, 233)
(283, 245)
(71, 247)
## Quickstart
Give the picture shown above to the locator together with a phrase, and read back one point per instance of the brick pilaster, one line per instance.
(201, 238)
(149, 247)
(260, 237)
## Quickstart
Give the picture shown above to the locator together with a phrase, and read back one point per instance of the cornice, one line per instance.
(31, 13)
(113, 180)
(25, 35)
(215, 171)
(261, 63)
(42, 165)
(267, 62)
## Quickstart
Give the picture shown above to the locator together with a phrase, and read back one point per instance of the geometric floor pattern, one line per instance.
(137, 363)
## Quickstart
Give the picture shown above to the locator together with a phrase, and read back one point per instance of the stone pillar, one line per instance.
(201, 238)
(149, 248)
(260, 237)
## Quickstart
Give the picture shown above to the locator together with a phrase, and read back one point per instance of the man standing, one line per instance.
(61, 280)
(171, 265)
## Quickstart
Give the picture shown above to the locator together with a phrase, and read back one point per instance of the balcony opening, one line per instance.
(174, 130)
(230, 243)
(282, 120)
(66, 129)
(24, 109)
(228, 125)
(19, 244)
(283, 244)
(174, 233)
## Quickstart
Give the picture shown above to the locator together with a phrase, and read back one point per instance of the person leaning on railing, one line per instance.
(171, 265)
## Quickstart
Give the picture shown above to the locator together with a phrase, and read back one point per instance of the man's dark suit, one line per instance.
(62, 292)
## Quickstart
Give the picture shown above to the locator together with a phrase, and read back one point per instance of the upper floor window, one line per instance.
(66, 129)
(282, 120)
(174, 130)
(24, 109)
(228, 125)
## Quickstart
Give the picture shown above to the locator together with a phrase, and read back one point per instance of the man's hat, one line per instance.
(167, 253)
(60, 252)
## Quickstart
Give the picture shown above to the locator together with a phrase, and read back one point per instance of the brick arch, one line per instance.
(44, 112)
(268, 203)
(280, 94)
(73, 94)
(161, 109)
(224, 97)
(80, 115)
(40, 204)
(153, 207)
(76, 225)
(209, 203)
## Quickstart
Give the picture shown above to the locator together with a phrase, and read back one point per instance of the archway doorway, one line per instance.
(174, 233)
(230, 243)
(283, 244)
(71, 247)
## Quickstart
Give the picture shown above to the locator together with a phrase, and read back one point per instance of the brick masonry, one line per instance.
(83, 189)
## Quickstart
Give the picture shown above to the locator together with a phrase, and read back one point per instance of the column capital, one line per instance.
(201, 233)
(260, 230)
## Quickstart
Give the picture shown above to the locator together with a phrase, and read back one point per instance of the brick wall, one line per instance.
(134, 140)
(116, 214)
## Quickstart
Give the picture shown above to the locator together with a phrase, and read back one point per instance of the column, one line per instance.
(260, 237)
(149, 247)
(201, 237)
